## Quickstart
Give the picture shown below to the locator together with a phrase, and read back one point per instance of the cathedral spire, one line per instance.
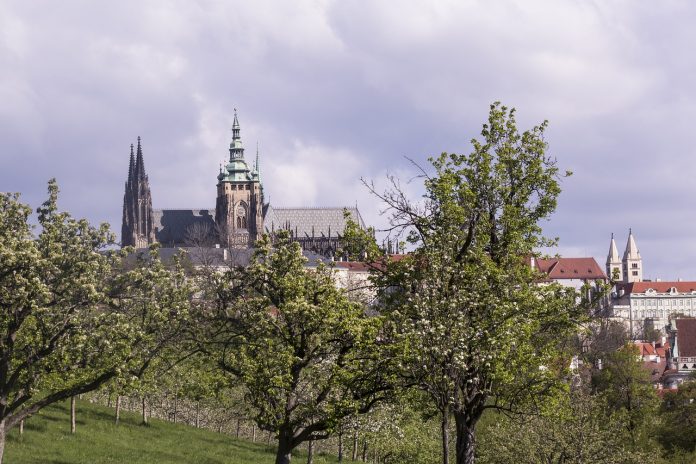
(236, 148)
(137, 228)
(614, 268)
(235, 127)
(613, 256)
(131, 167)
(631, 248)
(139, 162)
(632, 264)
(257, 165)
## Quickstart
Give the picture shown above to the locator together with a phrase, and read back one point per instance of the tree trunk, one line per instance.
(364, 451)
(253, 433)
(72, 415)
(2, 439)
(354, 456)
(269, 439)
(176, 404)
(445, 435)
(198, 414)
(466, 439)
(340, 445)
(239, 426)
(310, 452)
(144, 411)
(118, 408)
(284, 452)
(21, 427)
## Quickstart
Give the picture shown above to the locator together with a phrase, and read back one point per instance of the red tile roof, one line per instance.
(570, 268)
(660, 287)
(646, 349)
(686, 337)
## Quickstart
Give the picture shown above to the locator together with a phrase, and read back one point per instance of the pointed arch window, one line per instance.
(241, 215)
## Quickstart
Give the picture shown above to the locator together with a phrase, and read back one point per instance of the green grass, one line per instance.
(47, 440)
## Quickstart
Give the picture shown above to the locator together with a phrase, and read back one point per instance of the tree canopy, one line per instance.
(477, 329)
(306, 355)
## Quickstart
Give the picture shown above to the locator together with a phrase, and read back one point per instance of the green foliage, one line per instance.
(577, 430)
(397, 432)
(57, 338)
(154, 301)
(477, 330)
(72, 318)
(358, 244)
(306, 355)
(678, 413)
(628, 391)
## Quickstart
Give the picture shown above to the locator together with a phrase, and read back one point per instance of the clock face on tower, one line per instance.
(241, 211)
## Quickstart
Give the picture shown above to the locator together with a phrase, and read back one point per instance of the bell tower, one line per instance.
(632, 263)
(137, 227)
(614, 269)
(239, 205)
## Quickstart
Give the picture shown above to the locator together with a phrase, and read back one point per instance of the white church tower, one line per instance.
(614, 271)
(632, 263)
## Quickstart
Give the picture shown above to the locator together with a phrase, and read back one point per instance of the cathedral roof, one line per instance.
(308, 222)
(173, 225)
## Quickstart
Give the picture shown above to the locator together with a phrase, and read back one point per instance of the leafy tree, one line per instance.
(306, 355)
(154, 300)
(678, 414)
(72, 318)
(477, 330)
(573, 429)
(628, 391)
(56, 338)
(358, 244)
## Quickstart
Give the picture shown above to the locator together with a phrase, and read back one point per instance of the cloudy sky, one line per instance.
(333, 91)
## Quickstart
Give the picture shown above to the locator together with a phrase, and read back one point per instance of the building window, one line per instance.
(247, 186)
(241, 216)
(635, 273)
(634, 266)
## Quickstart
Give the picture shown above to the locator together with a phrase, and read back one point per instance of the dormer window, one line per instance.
(673, 290)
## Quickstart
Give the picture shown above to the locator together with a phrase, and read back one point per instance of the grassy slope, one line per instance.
(47, 440)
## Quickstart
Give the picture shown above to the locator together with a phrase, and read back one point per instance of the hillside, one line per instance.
(47, 440)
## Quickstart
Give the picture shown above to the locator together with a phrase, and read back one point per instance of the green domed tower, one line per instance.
(239, 206)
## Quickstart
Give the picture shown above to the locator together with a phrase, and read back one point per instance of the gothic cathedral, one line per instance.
(240, 216)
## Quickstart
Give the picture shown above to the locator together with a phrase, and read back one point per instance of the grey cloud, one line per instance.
(336, 90)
